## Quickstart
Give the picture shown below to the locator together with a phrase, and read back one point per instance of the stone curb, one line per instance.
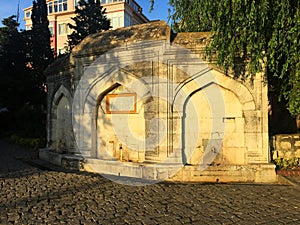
(44, 165)
(289, 181)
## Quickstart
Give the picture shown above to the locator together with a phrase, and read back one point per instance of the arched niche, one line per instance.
(120, 125)
(213, 115)
(61, 133)
(93, 123)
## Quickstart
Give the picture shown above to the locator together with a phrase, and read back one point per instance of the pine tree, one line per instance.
(12, 45)
(42, 54)
(90, 18)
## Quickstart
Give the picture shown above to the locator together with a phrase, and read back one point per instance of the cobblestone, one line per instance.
(35, 196)
(50, 197)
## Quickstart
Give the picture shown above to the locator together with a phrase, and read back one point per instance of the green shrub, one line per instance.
(293, 163)
(28, 142)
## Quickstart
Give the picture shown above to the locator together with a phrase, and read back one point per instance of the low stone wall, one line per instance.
(66, 161)
(286, 146)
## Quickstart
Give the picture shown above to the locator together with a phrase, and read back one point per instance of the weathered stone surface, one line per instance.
(286, 146)
(99, 43)
(130, 98)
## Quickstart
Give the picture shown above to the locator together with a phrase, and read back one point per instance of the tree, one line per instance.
(251, 34)
(90, 18)
(42, 54)
(12, 64)
(11, 45)
(18, 91)
(23, 58)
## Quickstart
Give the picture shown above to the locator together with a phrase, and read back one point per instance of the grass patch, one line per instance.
(34, 143)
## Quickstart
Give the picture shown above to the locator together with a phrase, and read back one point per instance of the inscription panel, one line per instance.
(121, 103)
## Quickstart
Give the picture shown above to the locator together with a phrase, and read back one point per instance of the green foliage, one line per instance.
(200, 15)
(90, 18)
(254, 34)
(34, 143)
(293, 163)
(12, 46)
(31, 121)
(42, 55)
(14, 79)
(20, 90)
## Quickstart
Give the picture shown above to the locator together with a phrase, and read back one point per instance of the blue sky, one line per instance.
(9, 7)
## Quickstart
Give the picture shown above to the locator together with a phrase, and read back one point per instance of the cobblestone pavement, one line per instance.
(35, 196)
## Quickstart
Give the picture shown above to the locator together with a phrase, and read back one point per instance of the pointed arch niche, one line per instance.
(120, 125)
(61, 134)
(242, 134)
(112, 134)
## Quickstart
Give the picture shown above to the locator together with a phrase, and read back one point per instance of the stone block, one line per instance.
(50, 156)
(72, 162)
(297, 153)
(297, 144)
(287, 154)
(234, 156)
(234, 140)
(285, 145)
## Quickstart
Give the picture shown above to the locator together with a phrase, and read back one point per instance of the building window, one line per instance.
(27, 14)
(110, 1)
(50, 7)
(127, 20)
(103, 1)
(51, 29)
(63, 29)
(118, 0)
(116, 22)
(55, 6)
(135, 7)
(65, 5)
(59, 5)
